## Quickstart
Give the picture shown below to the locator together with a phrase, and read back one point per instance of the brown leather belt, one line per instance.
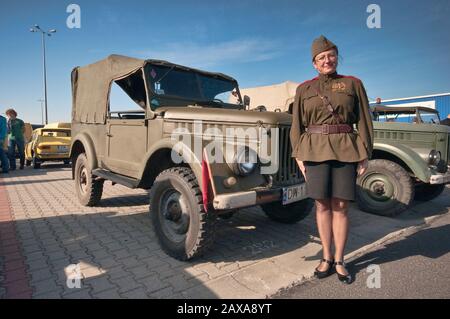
(330, 129)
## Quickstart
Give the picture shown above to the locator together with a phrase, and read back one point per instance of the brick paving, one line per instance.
(47, 230)
(13, 275)
(47, 239)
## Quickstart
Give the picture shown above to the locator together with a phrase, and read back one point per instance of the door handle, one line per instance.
(108, 134)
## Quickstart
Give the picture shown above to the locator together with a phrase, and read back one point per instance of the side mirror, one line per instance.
(246, 101)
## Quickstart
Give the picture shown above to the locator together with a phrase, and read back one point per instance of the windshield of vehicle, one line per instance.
(381, 117)
(56, 133)
(429, 117)
(408, 117)
(171, 83)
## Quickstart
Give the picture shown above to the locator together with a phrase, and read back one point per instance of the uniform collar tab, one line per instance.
(325, 77)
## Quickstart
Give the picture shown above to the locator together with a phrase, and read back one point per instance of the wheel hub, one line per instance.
(83, 179)
(379, 187)
(173, 210)
(175, 214)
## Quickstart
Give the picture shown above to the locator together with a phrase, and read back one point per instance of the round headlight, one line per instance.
(434, 157)
(245, 161)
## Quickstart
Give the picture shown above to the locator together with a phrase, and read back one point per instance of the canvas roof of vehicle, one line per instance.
(272, 96)
(91, 85)
(401, 109)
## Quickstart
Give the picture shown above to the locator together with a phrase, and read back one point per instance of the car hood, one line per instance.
(225, 115)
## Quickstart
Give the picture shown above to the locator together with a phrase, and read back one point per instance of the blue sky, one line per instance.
(258, 42)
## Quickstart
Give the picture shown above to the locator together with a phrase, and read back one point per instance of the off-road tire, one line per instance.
(385, 189)
(196, 234)
(36, 162)
(290, 213)
(89, 189)
(227, 215)
(426, 192)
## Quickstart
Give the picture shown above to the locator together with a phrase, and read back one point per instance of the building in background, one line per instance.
(440, 102)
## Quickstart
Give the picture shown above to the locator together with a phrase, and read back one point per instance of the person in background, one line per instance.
(446, 121)
(3, 138)
(16, 130)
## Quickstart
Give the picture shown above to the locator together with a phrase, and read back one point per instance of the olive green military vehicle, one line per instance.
(411, 154)
(410, 160)
(200, 157)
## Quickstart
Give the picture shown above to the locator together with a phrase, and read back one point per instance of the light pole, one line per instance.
(36, 28)
(42, 110)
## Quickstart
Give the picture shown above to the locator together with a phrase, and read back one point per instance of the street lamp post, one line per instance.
(42, 110)
(36, 28)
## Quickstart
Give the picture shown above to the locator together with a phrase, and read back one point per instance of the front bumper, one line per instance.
(53, 155)
(246, 199)
(440, 178)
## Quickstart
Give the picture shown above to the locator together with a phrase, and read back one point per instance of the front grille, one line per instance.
(288, 171)
(448, 149)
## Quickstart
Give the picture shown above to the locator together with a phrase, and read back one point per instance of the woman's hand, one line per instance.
(302, 167)
(362, 166)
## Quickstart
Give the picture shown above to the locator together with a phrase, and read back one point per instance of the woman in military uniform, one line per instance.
(328, 149)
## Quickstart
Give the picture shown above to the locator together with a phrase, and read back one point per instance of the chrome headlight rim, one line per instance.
(434, 157)
(240, 166)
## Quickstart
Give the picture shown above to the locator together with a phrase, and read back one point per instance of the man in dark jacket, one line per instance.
(16, 130)
(3, 144)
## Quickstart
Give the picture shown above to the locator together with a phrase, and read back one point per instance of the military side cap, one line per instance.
(321, 44)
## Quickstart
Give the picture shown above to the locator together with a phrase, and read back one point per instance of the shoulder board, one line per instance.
(308, 81)
(349, 77)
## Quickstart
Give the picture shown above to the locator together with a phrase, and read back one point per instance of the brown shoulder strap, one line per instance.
(327, 104)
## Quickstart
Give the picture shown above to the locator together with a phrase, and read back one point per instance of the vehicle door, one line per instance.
(126, 126)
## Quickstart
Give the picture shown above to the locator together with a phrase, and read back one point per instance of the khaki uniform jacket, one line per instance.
(348, 96)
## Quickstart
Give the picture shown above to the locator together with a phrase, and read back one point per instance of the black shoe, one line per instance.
(323, 274)
(346, 279)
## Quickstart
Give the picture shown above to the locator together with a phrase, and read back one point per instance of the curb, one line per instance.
(363, 250)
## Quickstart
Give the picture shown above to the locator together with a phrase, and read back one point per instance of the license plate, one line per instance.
(293, 193)
(63, 148)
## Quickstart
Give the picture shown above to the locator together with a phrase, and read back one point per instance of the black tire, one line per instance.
(385, 189)
(290, 213)
(89, 189)
(426, 192)
(227, 215)
(27, 163)
(182, 226)
(36, 162)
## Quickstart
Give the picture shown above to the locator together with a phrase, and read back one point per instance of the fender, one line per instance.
(415, 163)
(188, 157)
(88, 147)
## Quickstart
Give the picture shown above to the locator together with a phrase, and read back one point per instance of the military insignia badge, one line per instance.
(338, 86)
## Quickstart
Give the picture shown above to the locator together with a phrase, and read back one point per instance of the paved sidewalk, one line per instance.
(43, 230)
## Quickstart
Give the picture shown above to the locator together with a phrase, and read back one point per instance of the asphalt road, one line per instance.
(414, 265)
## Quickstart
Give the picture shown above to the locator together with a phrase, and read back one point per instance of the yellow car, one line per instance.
(50, 143)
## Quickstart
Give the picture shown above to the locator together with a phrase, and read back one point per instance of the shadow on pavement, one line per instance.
(120, 256)
(417, 244)
(125, 201)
